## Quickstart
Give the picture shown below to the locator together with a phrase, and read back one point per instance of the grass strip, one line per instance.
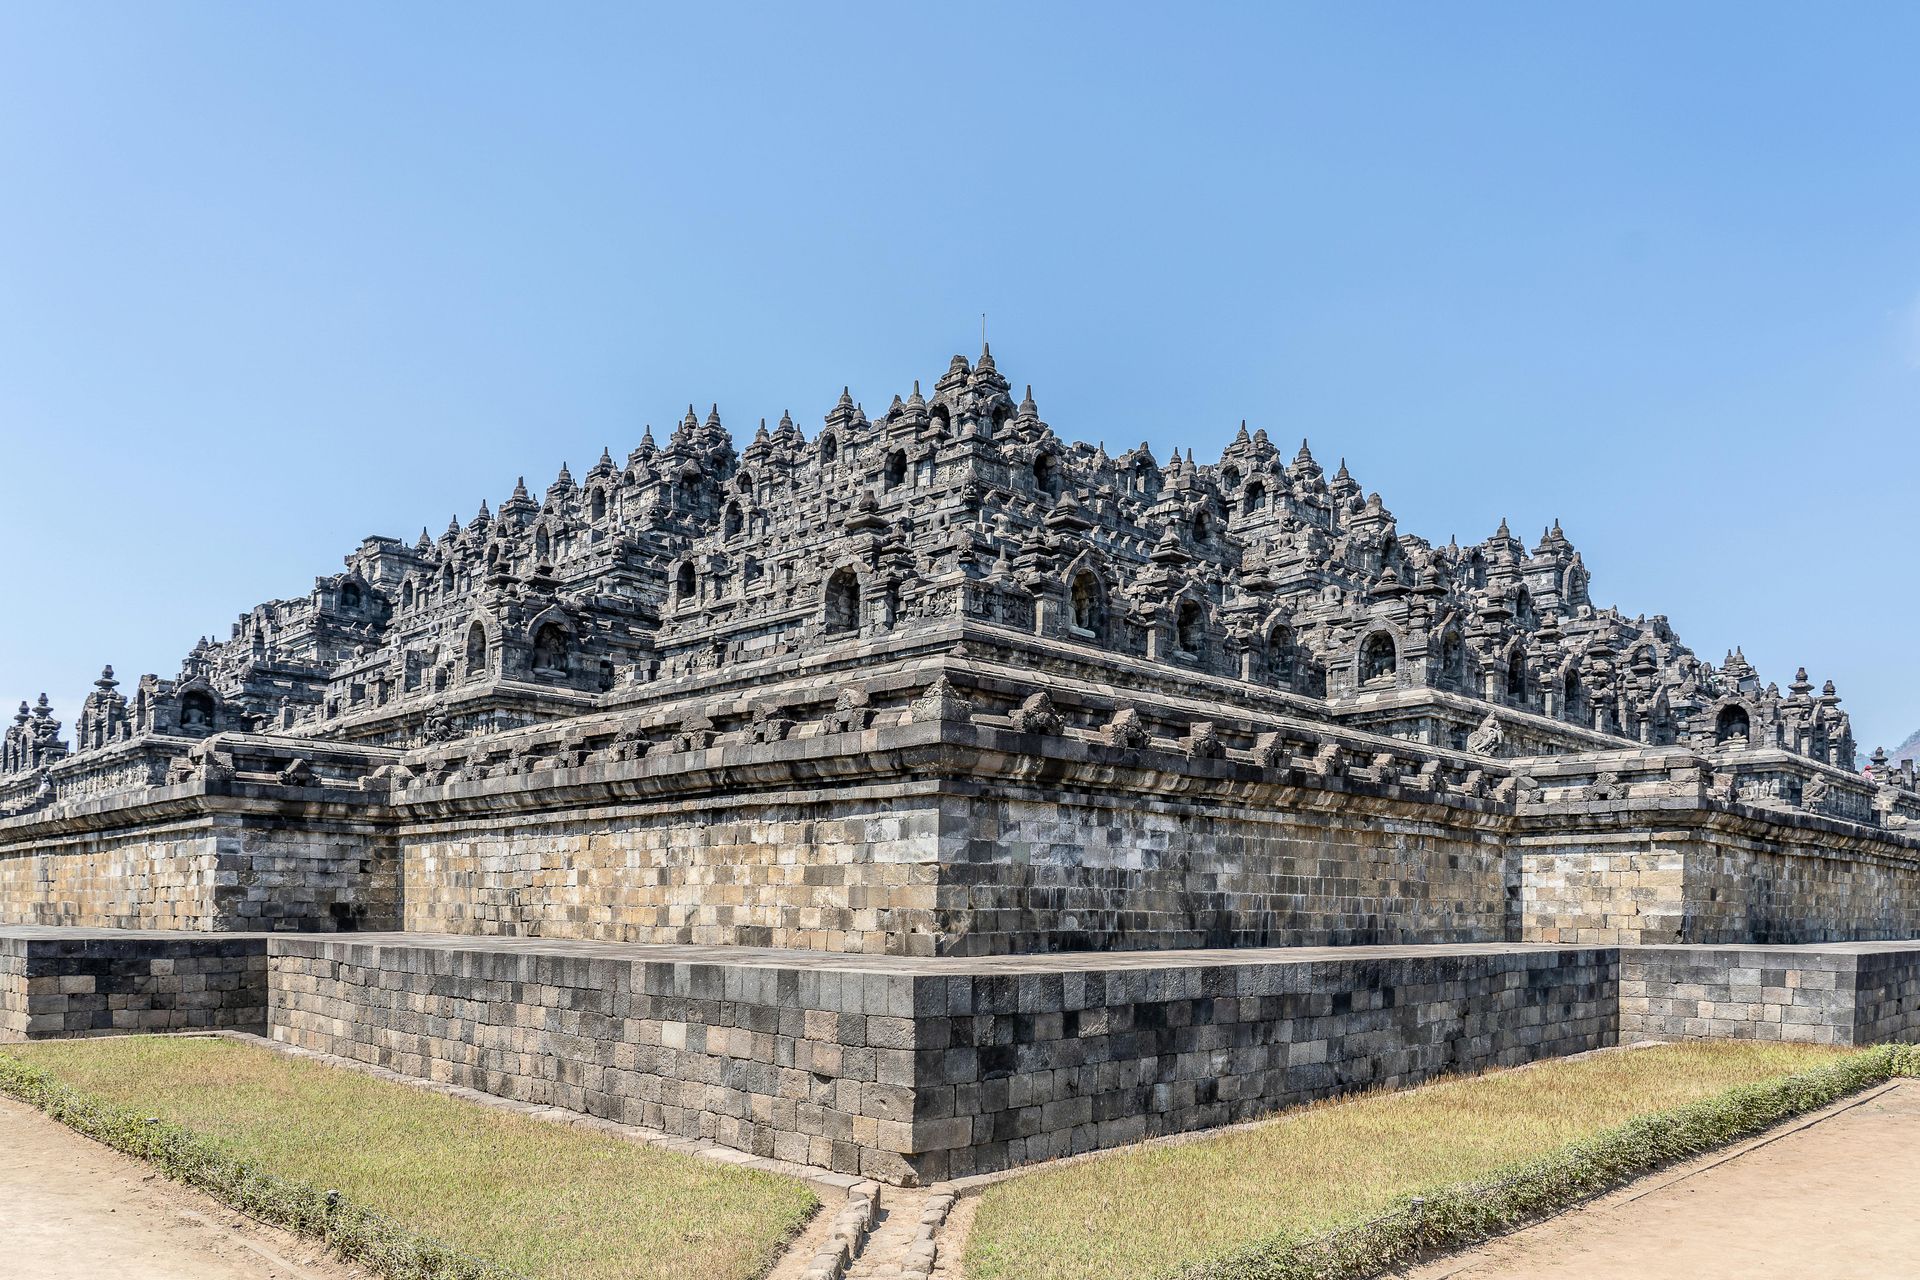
(1459, 1215)
(533, 1197)
(350, 1230)
(1148, 1210)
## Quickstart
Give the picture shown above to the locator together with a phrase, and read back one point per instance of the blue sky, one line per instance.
(275, 277)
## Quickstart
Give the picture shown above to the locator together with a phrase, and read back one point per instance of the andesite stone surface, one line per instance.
(936, 687)
(937, 682)
(920, 1069)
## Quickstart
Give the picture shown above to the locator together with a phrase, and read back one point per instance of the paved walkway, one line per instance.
(1835, 1196)
(71, 1209)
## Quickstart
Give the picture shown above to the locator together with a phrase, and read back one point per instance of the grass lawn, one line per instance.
(543, 1199)
(1142, 1212)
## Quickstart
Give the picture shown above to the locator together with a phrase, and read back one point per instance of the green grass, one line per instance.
(1248, 1196)
(537, 1198)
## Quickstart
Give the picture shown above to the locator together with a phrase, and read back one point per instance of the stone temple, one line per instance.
(926, 795)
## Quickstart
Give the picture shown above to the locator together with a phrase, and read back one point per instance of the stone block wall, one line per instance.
(1593, 890)
(917, 1069)
(1029, 1063)
(810, 1064)
(211, 872)
(14, 1001)
(1029, 872)
(276, 874)
(848, 870)
(933, 1069)
(1840, 993)
(1694, 993)
(76, 983)
(162, 876)
(931, 834)
(1799, 884)
(1886, 986)
(954, 867)
(1647, 880)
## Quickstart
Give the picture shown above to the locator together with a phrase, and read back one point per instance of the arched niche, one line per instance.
(840, 608)
(476, 650)
(1046, 475)
(1453, 659)
(552, 645)
(1379, 658)
(1573, 696)
(1086, 603)
(1190, 628)
(198, 712)
(1282, 660)
(1516, 675)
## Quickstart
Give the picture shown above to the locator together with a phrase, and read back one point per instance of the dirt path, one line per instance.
(1834, 1196)
(71, 1209)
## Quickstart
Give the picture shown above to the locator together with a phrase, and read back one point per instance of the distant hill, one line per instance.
(1910, 749)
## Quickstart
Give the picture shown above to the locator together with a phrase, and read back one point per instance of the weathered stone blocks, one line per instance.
(1837, 993)
(56, 983)
(910, 1069)
(916, 1070)
(936, 836)
(210, 872)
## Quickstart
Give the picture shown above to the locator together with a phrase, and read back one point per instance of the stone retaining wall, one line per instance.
(160, 877)
(1602, 890)
(933, 830)
(1841, 993)
(14, 1001)
(1799, 885)
(1058, 870)
(911, 1070)
(926, 1071)
(966, 870)
(210, 871)
(1887, 995)
(85, 982)
(798, 1063)
(1030, 1065)
(839, 871)
(1647, 875)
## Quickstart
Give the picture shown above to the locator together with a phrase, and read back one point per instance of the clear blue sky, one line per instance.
(274, 277)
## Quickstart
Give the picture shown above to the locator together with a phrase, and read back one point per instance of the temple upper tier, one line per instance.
(701, 556)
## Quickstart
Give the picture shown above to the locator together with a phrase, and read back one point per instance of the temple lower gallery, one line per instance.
(931, 796)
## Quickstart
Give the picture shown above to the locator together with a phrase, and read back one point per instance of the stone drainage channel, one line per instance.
(880, 1235)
